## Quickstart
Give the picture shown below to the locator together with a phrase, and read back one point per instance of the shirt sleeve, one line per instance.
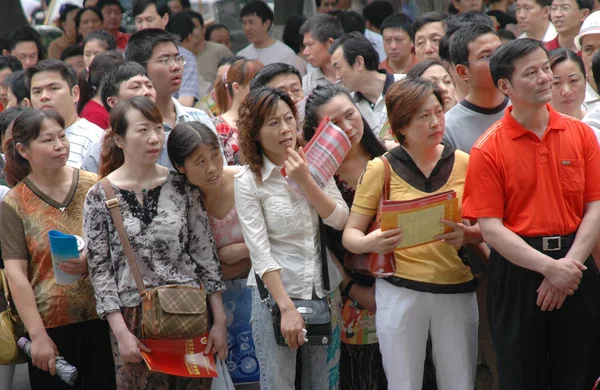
(91, 161)
(592, 167)
(369, 188)
(339, 216)
(97, 241)
(12, 234)
(201, 244)
(483, 195)
(190, 84)
(254, 228)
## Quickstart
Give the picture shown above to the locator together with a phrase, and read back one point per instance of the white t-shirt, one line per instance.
(82, 135)
(277, 52)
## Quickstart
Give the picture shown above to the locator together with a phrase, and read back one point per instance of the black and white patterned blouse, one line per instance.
(170, 236)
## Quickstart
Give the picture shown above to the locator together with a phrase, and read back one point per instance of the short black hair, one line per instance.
(258, 8)
(426, 18)
(24, 34)
(140, 6)
(112, 80)
(269, 72)
(196, 15)
(142, 43)
(181, 24)
(585, 4)
(544, 3)
(376, 11)
(51, 65)
(291, 33)
(502, 61)
(10, 62)
(355, 44)
(65, 10)
(322, 27)
(102, 36)
(459, 47)
(71, 51)
(16, 82)
(103, 3)
(229, 60)
(212, 28)
(561, 54)
(596, 67)
(400, 21)
(506, 34)
(350, 21)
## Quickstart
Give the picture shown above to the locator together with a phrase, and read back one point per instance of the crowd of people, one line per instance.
(498, 102)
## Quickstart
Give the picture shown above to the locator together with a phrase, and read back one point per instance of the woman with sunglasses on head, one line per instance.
(55, 302)
(281, 229)
(169, 234)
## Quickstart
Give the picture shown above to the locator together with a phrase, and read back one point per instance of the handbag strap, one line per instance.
(115, 212)
(386, 185)
(262, 289)
(5, 289)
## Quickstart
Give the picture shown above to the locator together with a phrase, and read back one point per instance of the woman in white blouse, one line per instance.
(281, 229)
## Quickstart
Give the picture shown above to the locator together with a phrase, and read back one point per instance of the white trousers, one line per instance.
(404, 320)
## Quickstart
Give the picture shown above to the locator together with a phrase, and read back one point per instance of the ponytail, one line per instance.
(241, 72)
(17, 167)
(91, 78)
(222, 93)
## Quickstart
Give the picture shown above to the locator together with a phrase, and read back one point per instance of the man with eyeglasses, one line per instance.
(533, 17)
(567, 16)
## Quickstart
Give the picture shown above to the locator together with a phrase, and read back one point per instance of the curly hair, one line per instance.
(253, 113)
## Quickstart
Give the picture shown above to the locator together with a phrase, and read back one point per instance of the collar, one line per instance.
(515, 130)
(590, 94)
(268, 168)
(389, 80)
(403, 155)
(483, 110)
(549, 35)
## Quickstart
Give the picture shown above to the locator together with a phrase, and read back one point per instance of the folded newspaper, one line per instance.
(324, 153)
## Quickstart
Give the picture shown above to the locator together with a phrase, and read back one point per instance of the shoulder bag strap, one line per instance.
(4, 286)
(385, 195)
(115, 212)
(324, 265)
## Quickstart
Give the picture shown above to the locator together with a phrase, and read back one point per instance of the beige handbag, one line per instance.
(11, 329)
(168, 312)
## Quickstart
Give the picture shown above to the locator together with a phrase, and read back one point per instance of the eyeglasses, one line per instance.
(169, 61)
(563, 8)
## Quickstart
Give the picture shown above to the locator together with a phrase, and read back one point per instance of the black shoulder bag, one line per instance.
(315, 312)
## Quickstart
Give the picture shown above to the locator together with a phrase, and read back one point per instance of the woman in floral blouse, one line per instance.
(169, 233)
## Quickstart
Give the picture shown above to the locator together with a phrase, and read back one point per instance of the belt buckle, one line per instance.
(551, 244)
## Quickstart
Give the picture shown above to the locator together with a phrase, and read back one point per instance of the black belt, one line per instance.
(551, 243)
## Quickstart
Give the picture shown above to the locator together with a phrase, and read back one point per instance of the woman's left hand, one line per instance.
(75, 266)
(217, 341)
(296, 167)
(457, 237)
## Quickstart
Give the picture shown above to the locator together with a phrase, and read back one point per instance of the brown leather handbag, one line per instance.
(373, 263)
(170, 311)
(11, 329)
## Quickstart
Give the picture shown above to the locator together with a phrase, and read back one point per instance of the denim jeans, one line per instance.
(320, 364)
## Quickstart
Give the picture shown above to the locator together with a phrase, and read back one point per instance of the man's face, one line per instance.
(4, 73)
(344, 73)
(112, 17)
(151, 19)
(175, 6)
(254, 28)
(589, 46)
(467, 5)
(222, 36)
(397, 44)
(166, 79)
(27, 53)
(566, 15)
(290, 83)
(531, 81)
(315, 51)
(326, 6)
(139, 85)
(530, 15)
(427, 41)
(76, 62)
(478, 67)
(50, 91)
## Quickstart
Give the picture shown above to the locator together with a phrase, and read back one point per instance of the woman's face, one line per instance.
(50, 149)
(91, 50)
(89, 22)
(568, 87)
(426, 128)
(143, 139)
(204, 167)
(440, 77)
(344, 114)
(278, 133)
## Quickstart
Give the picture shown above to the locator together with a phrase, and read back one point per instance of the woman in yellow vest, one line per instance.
(432, 290)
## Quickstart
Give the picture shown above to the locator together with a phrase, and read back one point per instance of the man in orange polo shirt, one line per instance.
(533, 185)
